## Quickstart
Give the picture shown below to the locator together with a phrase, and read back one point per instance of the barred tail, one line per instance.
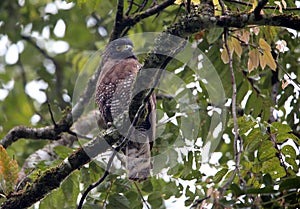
(138, 160)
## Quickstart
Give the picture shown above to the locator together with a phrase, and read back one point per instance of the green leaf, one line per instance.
(63, 151)
(267, 179)
(236, 190)
(277, 127)
(283, 137)
(155, 200)
(171, 189)
(122, 185)
(289, 151)
(134, 199)
(266, 151)
(176, 170)
(290, 183)
(253, 140)
(147, 186)
(118, 201)
(214, 34)
(159, 163)
(169, 107)
(254, 105)
(70, 189)
(273, 167)
(242, 88)
(293, 163)
(265, 190)
(245, 124)
(220, 175)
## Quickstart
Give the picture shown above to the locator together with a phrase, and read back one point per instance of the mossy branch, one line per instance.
(52, 178)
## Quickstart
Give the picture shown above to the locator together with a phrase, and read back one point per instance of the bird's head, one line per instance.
(119, 49)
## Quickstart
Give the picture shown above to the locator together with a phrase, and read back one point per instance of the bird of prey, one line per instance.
(119, 68)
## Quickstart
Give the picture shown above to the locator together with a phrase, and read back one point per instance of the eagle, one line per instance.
(114, 89)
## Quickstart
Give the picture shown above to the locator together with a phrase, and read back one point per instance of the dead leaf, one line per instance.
(284, 84)
(245, 37)
(255, 30)
(237, 47)
(264, 45)
(253, 60)
(283, 2)
(279, 5)
(224, 56)
(262, 61)
(270, 60)
(199, 35)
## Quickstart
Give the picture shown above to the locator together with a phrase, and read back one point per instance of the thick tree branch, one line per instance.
(265, 7)
(53, 132)
(53, 177)
(118, 26)
(242, 20)
(48, 132)
(47, 153)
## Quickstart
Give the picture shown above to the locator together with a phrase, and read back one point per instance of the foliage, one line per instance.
(8, 172)
(41, 63)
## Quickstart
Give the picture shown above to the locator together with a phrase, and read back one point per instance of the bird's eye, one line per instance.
(124, 48)
(119, 48)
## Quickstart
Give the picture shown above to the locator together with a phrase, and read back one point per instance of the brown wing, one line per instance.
(113, 99)
(114, 85)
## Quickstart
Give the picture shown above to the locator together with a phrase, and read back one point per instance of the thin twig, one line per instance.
(94, 185)
(78, 135)
(200, 201)
(265, 7)
(297, 84)
(24, 82)
(51, 113)
(240, 2)
(258, 9)
(142, 6)
(120, 9)
(134, 19)
(238, 143)
(149, 12)
(105, 174)
(141, 195)
(58, 70)
(42, 51)
(232, 76)
(223, 7)
(131, 2)
(107, 194)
